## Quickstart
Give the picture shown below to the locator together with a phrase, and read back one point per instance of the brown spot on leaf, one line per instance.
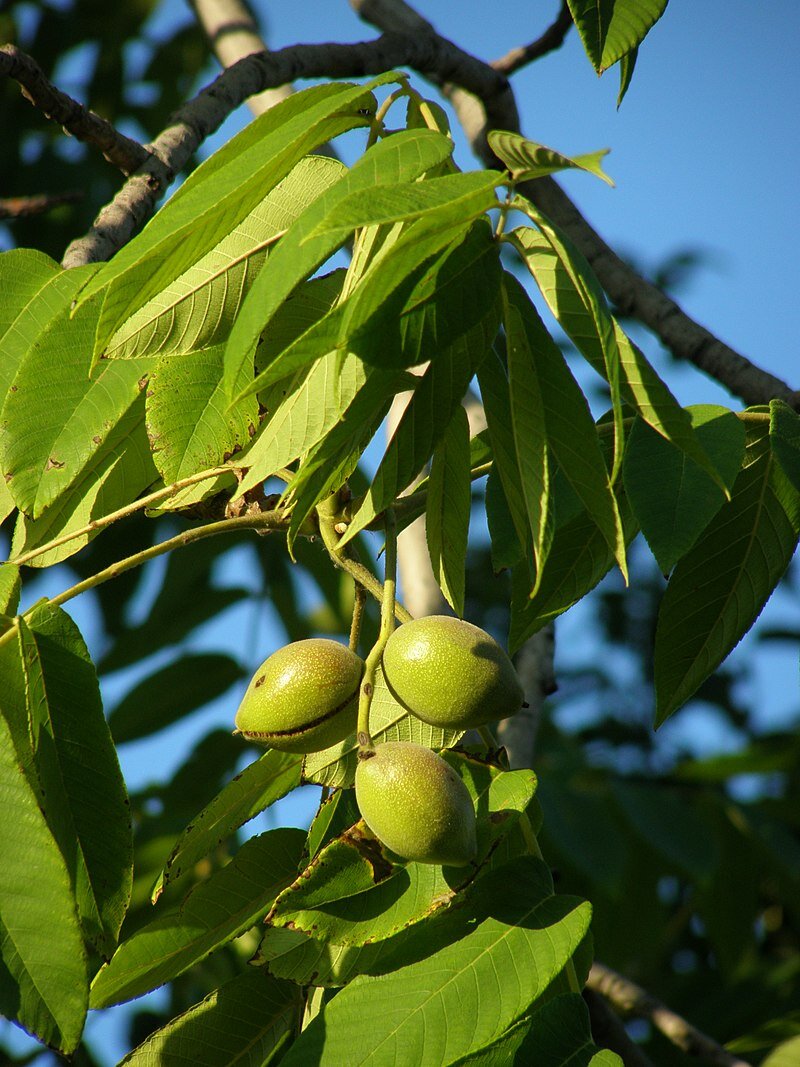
(53, 464)
(97, 439)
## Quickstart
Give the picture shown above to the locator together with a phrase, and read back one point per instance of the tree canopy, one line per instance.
(196, 390)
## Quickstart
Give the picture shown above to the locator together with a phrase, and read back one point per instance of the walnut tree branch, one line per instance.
(549, 41)
(125, 153)
(628, 998)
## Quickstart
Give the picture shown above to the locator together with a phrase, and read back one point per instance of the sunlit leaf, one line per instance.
(70, 745)
(526, 159)
(220, 193)
(189, 421)
(424, 421)
(198, 308)
(402, 157)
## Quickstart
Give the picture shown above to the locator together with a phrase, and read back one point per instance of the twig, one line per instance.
(630, 999)
(550, 40)
(265, 521)
(609, 1032)
(125, 153)
(121, 513)
(22, 207)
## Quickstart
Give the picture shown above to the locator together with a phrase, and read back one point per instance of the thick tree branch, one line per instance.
(630, 999)
(635, 296)
(125, 153)
(550, 40)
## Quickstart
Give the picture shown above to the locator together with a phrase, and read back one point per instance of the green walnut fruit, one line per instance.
(415, 803)
(450, 673)
(303, 698)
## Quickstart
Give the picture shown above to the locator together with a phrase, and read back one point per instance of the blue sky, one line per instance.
(705, 157)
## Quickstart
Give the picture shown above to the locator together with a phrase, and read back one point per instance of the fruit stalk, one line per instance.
(387, 626)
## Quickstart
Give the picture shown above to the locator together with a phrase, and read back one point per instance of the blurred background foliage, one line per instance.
(688, 849)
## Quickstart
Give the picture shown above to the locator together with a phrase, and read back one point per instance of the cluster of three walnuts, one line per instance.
(445, 671)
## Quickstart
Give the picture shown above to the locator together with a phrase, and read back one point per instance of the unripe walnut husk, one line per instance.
(303, 698)
(415, 803)
(450, 673)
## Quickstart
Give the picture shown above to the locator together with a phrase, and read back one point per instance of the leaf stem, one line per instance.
(121, 513)
(265, 520)
(359, 602)
(387, 626)
(356, 570)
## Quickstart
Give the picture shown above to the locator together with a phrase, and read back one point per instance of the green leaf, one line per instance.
(333, 459)
(672, 497)
(529, 430)
(562, 411)
(111, 479)
(720, 586)
(57, 421)
(424, 421)
(448, 508)
(400, 202)
(72, 746)
(497, 406)
(416, 1013)
(171, 693)
(507, 552)
(34, 290)
(450, 269)
(609, 29)
(335, 767)
(527, 159)
(436, 282)
(402, 157)
(305, 416)
(784, 429)
(189, 423)
(626, 66)
(9, 589)
(579, 557)
(574, 296)
(260, 784)
(244, 1022)
(215, 911)
(198, 308)
(220, 193)
(45, 985)
(784, 1055)
(560, 1036)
